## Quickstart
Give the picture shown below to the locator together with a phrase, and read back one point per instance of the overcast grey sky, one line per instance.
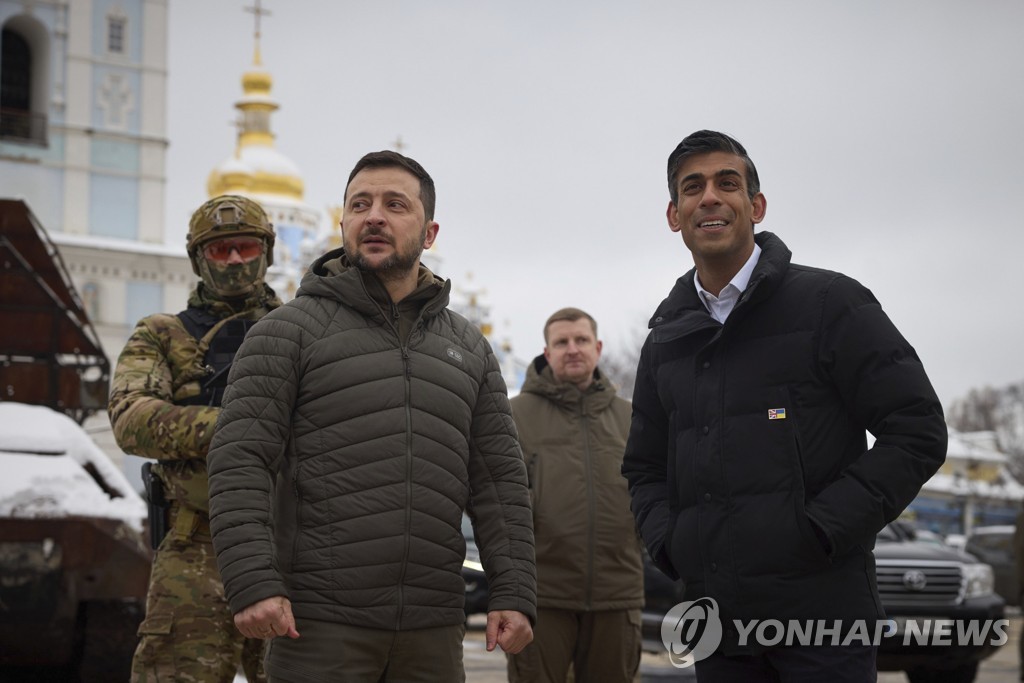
(887, 134)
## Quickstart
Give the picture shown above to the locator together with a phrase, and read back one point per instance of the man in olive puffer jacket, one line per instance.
(360, 421)
(590, 583)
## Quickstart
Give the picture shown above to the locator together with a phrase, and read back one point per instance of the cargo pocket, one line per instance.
(154, 658)
(156, 625)
(633, 642)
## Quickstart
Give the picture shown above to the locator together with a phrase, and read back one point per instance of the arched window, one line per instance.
(16, 77)
(22, 83)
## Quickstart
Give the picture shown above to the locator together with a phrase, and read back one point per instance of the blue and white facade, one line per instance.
(83, 141)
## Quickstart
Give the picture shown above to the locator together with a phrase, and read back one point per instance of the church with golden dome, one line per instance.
(256, 169)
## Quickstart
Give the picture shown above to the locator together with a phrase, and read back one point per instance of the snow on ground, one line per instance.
(44, 454)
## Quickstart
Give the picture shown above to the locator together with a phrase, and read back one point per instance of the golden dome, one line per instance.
(256, 167)
(257, 82)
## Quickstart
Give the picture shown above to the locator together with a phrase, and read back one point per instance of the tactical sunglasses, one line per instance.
(248, 248)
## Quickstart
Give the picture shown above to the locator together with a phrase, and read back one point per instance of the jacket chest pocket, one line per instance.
(761, 446)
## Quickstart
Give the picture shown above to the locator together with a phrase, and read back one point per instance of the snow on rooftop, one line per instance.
(233, 165)
(978, 446)
(1006, 489)
(275, 201)
(115, 244)
(259, 158)
(44, 454)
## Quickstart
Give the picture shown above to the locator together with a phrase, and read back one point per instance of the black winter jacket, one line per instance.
(746, 435)
(384, 443)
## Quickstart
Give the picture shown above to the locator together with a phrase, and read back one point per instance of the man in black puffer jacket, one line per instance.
(749, 471)
(374, 416)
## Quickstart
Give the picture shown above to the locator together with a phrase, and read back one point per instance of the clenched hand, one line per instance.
(508, 629)
(267, 619)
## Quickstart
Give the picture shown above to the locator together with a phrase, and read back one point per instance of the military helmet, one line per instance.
(228, 216)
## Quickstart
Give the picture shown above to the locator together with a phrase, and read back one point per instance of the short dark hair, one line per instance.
(704, 142)
(570, 315)
(388, 159)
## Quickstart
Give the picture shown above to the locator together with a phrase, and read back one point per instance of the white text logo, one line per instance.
(691, 631)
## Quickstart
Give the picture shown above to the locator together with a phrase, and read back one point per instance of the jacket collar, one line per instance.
(333, 277)
(683, 301)
(541, 381)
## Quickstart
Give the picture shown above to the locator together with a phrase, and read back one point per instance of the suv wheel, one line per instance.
(964, 673)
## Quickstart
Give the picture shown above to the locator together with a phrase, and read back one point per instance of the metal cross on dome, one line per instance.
(257, 10)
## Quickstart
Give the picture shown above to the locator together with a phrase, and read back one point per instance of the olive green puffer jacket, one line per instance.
(385, 442)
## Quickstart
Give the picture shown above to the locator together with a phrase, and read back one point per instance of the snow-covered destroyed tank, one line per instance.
(74, 566)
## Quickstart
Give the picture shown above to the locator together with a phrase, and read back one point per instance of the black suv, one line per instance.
(993, 545)
(926, 582)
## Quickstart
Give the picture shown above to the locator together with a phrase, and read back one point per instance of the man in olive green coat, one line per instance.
(590, 589)
(164, 404)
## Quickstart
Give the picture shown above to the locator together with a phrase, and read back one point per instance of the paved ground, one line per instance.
(489, 667)
(1002, 667)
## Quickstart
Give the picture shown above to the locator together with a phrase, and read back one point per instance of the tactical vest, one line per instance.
(222, 338)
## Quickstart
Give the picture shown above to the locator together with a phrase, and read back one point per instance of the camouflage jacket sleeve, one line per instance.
(160, 363)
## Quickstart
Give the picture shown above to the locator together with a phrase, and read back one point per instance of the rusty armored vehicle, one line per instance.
(74, 565)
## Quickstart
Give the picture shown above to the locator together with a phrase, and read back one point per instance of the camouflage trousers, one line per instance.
(189, 633)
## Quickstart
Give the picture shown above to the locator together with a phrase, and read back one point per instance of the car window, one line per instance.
(992, 545)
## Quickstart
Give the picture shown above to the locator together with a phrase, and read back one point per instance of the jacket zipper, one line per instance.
(408, 486)
(396, 315)
(588, 468)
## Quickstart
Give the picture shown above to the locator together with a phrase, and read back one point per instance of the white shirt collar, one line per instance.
(721, 306)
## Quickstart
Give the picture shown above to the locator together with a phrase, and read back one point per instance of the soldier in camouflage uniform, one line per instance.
(164, 403)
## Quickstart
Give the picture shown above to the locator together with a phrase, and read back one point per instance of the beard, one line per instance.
(394, 267)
